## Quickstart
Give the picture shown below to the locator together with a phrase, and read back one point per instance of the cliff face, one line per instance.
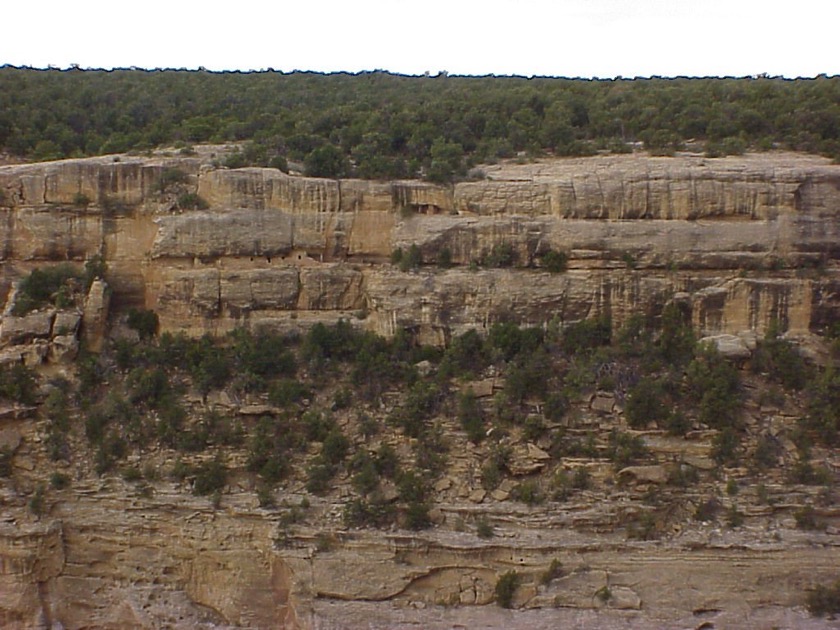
(725, 234)
(739, 242)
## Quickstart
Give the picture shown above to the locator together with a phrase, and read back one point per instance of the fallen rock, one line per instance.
(9, 439)
(257, 410)
(643, 474)
(480, 389)
(730, 347)
(66, 323)
(624, 598)
(63, 349)
(35, 353)
(16, 330)
(603, 402)
(527, 459)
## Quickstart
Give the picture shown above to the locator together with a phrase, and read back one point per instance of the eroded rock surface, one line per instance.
(739, 243)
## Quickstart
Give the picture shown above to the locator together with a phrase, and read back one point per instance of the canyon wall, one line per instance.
(742, 240)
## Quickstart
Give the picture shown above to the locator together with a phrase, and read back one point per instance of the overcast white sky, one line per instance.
(585, 38)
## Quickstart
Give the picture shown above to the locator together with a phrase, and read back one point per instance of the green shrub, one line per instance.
(824, 406)
(363, 513)
(509, 340)
(17, 383)
(734, 517)
(421, 403)
(501, 255)
(726, 447)
(554, 571)
(268, 450)
(365, 476)
(132, 474)
(643, 526)
(95, 269)
(714, 384)
(170, 178)
(444, 258)
(192, 201)
(534, 428)
(528, 376)
(604, 594)
(319, 474)
(81, 200)
(806, 518)
(46, 286)
(467, 355)
(491, 475)
(585, 335)
(417, 515)
(506, 588)
(625, 449)
(210, 477)
(412, 259)
(287, 391)
(59, 481)
(412, 487)
(387, 461)
(767, 452)
(484, 529)
(6, 455)
(265, 497)
(336, 446)
(38, 502)
(677, 423)
(676, 343)
(683, 475)
(144, 322)
(148, 386)
(646, 402)
(707, 510)
(470, 416)
(528, 492)
(554, 261)
(824, 600)
(781, 360)
(556, 406)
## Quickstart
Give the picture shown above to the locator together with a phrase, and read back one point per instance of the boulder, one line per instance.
(526, 459)
(17, 330)
(731, 347)
(66, 323)
(644, 474)
(63, 349)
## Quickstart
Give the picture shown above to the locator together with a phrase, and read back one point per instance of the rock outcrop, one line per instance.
(740, 243)
(735, 237)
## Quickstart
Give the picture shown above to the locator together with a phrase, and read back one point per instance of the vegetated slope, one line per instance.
(636, 434)
(380, 125)
(585, 454)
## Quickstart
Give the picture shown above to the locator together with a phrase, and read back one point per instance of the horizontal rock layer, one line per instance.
(289, 250)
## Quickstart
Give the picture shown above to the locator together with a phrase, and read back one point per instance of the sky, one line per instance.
(570, 38)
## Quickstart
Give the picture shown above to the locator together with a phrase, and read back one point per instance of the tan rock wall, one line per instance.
(635, 229)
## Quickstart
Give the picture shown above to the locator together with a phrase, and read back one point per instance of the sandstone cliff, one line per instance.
(739, 242)
(735, 235)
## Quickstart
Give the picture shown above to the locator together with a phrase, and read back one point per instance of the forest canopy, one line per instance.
(380, 125)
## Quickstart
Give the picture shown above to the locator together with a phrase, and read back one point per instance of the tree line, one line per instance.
(380, 125)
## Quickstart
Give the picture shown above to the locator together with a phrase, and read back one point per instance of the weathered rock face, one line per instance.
(739, 242)
(271, 247)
